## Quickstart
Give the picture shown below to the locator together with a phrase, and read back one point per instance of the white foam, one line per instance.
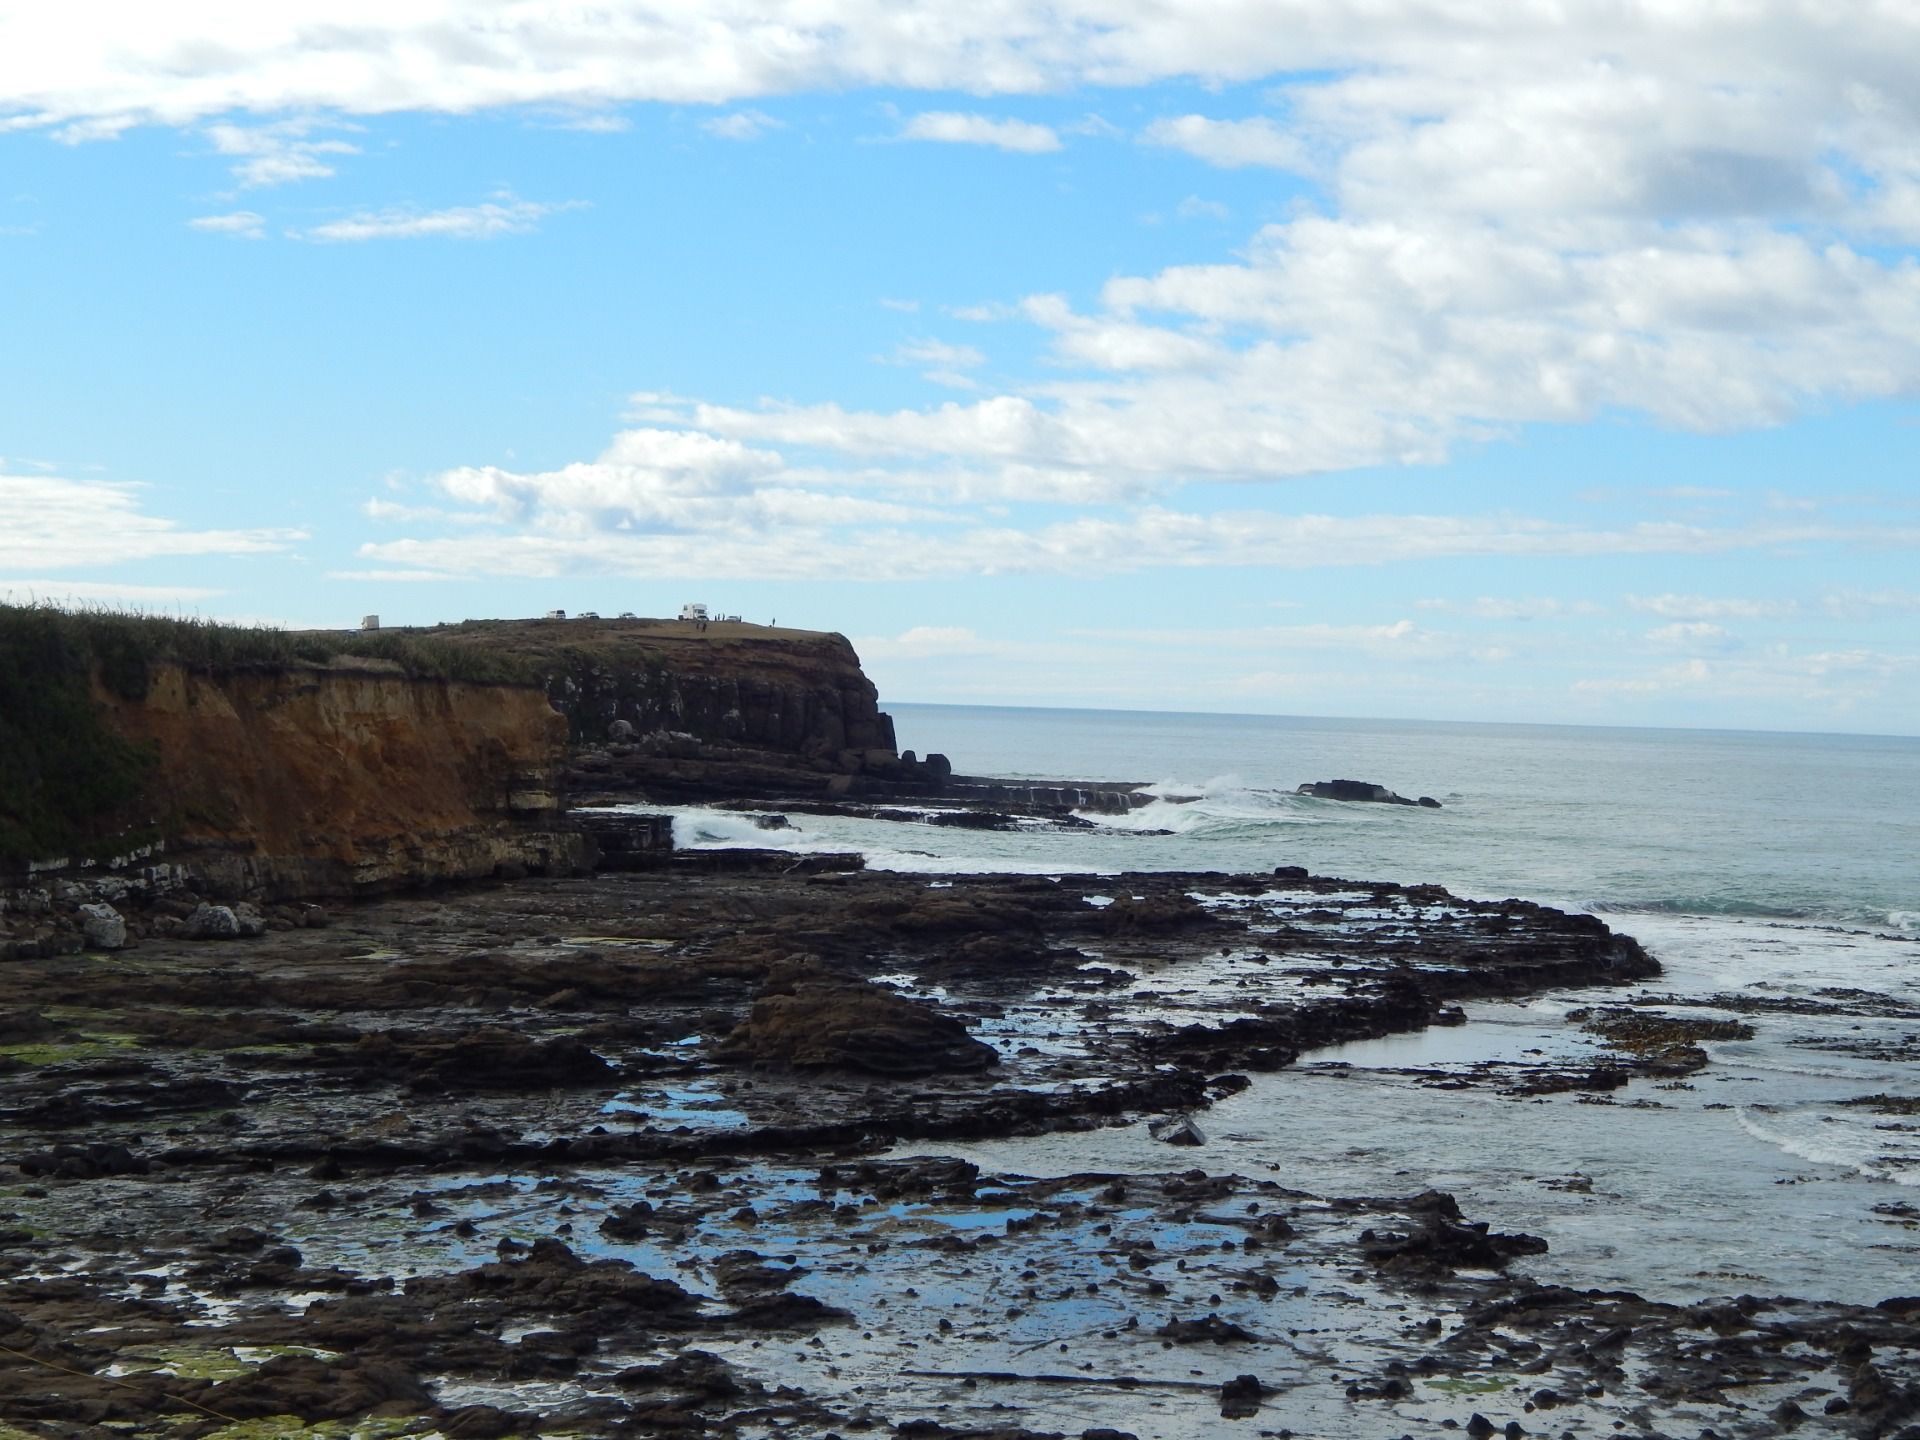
(703, 829)
(1829, 1139)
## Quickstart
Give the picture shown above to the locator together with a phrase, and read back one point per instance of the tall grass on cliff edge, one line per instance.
(63, 771)
(66, 778)
(123, 643)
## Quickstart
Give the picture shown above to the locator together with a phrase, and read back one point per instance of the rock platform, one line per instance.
(622, 1155)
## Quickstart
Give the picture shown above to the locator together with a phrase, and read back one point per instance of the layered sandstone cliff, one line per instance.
(277, 781)
(329, 781)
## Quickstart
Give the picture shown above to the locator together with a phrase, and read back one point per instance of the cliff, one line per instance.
(264, 764)
(332, 781)
(673, 711)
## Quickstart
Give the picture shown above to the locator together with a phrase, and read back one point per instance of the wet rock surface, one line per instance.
(610, 1156)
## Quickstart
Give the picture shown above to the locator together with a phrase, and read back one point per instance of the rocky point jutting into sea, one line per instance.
(374, 1064)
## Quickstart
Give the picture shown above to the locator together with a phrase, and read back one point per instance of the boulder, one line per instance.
(1177, 1130)
(103, 927)
(212, 922)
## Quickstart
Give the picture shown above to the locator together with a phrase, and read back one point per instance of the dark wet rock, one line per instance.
(552, 1279)
(1208, 1330)
(747, 1271)
(786, 1312)
(1177, 1130)
(1155, 914)
(1364, 791)
(971, 820)
(314, 1389)
(692, 1372)
(84, 1162)
(1240, 1397)
(810, 1021)
(493, 1058)
(1441, 1241)
(488, 1422)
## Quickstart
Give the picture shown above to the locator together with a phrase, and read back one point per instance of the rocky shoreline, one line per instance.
(618, 1154)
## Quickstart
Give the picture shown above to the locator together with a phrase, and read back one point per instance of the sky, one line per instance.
(1549, 361)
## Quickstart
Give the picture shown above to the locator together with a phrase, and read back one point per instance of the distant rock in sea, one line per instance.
(1362, 790)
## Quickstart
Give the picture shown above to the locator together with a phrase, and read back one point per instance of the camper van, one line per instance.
(695, 612)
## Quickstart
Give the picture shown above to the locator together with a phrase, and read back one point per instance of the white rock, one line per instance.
(103, 927)
(213, 922)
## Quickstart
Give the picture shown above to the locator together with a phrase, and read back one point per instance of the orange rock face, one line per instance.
(332, 781)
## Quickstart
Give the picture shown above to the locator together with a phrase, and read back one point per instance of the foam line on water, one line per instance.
(1847, 1144)
(703, 829)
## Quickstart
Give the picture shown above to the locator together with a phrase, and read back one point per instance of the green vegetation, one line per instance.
(62, 770)
(69, 785)
(123, 644)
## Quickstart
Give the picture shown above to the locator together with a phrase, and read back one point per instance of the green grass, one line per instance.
(123, 645)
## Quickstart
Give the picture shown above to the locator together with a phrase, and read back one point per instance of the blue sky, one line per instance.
(1277, 357)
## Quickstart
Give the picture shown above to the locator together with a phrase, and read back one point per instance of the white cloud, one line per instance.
(741, 125)
(503, 215)
(1489, 607)
(1691, 635)
(50, 591)
(1230, 144)
(55, 523)
(1684, 110)
(281, 152)
(1712, 607)
(936, 353)
(382, 577)
(955, 128)
(242, 224)
(1687, 674)
(685, 499)
(1822, 683)
(924, 641)
(1860, 604)
(1194, 208)
(939, 362)
(594, 122)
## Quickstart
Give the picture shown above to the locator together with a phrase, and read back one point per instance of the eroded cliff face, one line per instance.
(672, 711)
(312, 782)
(802, 696)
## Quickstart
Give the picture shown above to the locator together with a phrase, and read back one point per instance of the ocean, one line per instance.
(1776, 877)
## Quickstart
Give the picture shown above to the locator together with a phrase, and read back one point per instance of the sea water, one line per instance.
(1777, 871)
